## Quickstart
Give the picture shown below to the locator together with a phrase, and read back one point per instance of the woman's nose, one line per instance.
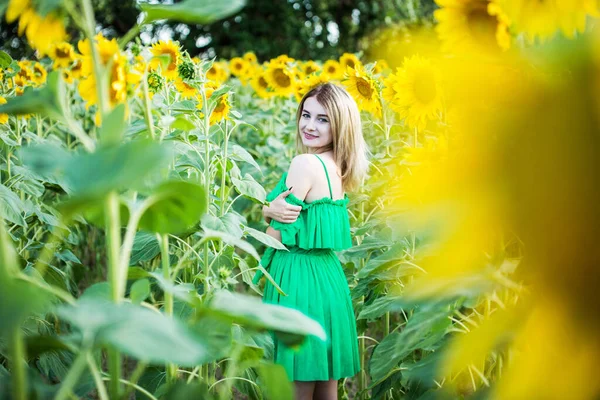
(310, 124)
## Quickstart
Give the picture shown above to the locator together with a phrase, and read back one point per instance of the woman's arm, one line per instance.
(280, 210)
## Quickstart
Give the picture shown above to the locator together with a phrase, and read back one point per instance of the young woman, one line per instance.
(311, 219)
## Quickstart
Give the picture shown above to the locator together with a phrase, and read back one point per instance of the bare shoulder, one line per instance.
(303, 164)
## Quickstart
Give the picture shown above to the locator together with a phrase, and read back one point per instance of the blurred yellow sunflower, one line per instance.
(3, 117)
(470, 26)
(349, 60)
(41, 31)
(308, 83)
(109, 55)
(75, 70)
(39, 74)
(364, 90)
(333, 70)
(250, 57)
(238, 66)
(542, 19)
(380, 66)
(284, 59)
(166, 48)
(62, 54)
(389, 92)
(260, 85)
(280, 78)
(221, 110)
(25, 77)
(136, 70)
(186, 90)
(309, 67)
(418, 95)
(218, 72)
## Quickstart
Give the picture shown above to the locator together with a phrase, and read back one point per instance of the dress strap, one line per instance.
(327, 175)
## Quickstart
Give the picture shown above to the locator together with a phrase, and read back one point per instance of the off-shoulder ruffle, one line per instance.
(323, 227)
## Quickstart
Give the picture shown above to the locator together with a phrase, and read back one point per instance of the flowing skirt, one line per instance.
(315, 285)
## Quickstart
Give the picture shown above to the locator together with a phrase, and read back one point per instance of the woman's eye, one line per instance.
(323, 120)
(305, 116)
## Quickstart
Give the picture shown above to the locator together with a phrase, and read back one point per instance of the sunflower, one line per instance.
(542, 19)
(309, 67)
(349, 60)
(221, 110)
(238, 66)
(109, 55)
(41, 31)
(333, 70)
(75, 70)
(3, 117)
(284, 59)
(186, 90)
(166, 48)
(39, 74)
(217, 73)
(260, 85)
(250, 57)
(469, 26)
(418, 95)
(25, 76)
(380, 66)
(309, 83)
(62, 54)
(364, 89)
(389, 92)
(280, 78)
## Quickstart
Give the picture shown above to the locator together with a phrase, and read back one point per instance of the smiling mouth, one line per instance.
(309, 136)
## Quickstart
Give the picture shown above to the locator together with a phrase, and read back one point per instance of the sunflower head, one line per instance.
(162, 50)
(280, 78)
(333, 70)
(238, 66)
(186, 69)
(308, 83)
(260, 85)
(469, 26)
(364, 89)
(349, 60)
(250, 57)
(186, 90)
(217, 72)
(62, 54)
(3, 117)
(155, 82)
(310, 67)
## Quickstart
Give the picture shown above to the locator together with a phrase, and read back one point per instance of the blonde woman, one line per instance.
(311, 219)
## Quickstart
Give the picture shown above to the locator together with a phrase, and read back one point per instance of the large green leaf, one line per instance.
(238, 153)
(265, 239)
(251, 312)
(47, 101)
(113, 125)
(274, 382)
(192, 11)
(145, 247)
(232, 241)
(250, 188)
(138, 332)
(424, 329)
(11, 206)
(179, 206)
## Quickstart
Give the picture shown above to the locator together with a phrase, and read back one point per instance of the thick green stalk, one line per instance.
(113, 243)
(168, 307)
(19, 378)
(206, 120)
(224, 169)
(147, 110)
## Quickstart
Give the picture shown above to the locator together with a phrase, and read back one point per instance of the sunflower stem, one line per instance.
(224, 169)
(19, 376)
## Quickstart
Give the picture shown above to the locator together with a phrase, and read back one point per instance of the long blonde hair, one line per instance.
(349, 147)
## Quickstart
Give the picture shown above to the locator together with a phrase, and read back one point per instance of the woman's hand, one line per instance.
(280, 210)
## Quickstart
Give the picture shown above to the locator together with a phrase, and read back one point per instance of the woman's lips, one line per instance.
(308, 136)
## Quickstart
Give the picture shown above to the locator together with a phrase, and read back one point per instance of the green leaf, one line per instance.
(135, 273)
(423, 330)
(274, 382)
(11, 206)
(5, 59)
(251, 312)
(178, 207)
(192, 11)
(250, 188)
(240, 154)
(265, 239)
(140, 290)
(138, 332)
(145, 247)
(113, 125)
(232, 241)
(182, 123)
(47, 101)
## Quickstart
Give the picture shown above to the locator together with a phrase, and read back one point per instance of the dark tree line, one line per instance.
(304, 29)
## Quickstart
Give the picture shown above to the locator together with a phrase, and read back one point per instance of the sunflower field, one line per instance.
(132, 180)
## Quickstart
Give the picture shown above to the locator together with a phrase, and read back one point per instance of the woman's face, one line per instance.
(314, 126)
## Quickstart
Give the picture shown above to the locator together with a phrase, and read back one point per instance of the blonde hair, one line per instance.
(349, 147)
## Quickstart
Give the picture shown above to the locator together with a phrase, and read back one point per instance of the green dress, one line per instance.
(312, 277)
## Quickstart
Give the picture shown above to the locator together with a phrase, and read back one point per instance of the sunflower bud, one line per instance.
(186, 69)
(155, 82)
